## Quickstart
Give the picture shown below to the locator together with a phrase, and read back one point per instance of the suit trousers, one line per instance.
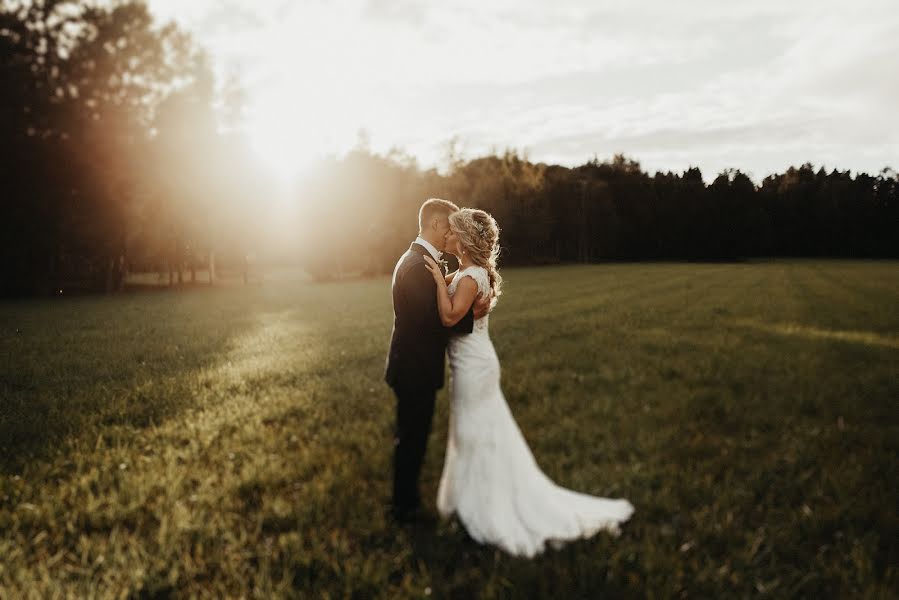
(414, 414)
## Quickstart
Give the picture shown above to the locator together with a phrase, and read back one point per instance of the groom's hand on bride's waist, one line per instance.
(482, 306)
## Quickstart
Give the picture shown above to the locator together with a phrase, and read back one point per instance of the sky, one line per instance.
(758, 85)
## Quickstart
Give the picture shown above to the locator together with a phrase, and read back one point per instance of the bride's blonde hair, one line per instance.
(479, 235)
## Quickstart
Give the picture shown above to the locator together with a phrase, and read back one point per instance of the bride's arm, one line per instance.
(452, 309)
(449, 278)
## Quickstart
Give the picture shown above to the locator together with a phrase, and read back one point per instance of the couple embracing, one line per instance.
(490, 479)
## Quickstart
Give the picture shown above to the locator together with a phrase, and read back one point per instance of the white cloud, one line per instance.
(716, 84)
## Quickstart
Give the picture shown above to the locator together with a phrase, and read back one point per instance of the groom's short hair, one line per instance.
(433, 207)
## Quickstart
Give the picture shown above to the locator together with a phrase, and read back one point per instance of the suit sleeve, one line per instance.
(421, 294)
(466, 324)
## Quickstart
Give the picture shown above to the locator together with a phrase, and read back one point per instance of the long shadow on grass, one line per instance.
(74, 368)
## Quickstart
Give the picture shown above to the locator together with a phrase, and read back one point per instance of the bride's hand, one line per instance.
(482, 305)
(435, 270)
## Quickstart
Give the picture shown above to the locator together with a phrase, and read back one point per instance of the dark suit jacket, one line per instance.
(418, 343)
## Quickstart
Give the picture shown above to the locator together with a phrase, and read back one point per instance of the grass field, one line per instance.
(237, 441)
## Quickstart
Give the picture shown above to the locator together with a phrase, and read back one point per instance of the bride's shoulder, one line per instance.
(474, 271)
(479, 274)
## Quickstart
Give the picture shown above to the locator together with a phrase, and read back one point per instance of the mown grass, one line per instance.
(237, 441)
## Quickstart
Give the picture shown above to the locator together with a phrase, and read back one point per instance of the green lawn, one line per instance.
(237, 441)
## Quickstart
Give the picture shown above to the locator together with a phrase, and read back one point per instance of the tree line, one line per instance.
(608, 210)
(122, 152)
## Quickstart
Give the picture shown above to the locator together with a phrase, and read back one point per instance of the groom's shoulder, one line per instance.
(411, 257)
(407, 261)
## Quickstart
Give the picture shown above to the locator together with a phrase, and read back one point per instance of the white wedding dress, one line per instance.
(490, 478)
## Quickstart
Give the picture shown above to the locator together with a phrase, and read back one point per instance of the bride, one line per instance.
(490, 478)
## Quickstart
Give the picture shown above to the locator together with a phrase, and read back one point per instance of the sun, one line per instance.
(310, 96)
(285, 146)
(303, 121)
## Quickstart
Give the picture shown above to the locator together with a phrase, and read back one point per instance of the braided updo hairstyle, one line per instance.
(479, 235)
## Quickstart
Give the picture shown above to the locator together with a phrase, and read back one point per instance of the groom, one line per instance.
(415, 361)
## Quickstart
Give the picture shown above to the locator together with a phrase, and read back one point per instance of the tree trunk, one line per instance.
(54, 277)
(110, 275)
(211, 267)
(179, 261)
(121, 273)
(173, 257)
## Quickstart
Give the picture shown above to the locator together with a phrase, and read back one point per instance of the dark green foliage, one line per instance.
(111, 159)
(600, 211)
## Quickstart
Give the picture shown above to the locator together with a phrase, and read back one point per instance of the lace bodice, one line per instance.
(480, 276)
